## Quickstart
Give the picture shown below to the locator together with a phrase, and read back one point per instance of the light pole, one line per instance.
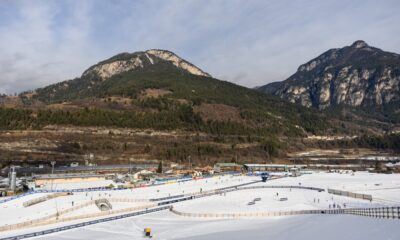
(52, 166)
(52, 173)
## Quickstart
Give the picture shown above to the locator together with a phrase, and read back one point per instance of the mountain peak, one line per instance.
(124, 62)
(359, 44)
(356, 75)
(177, 61)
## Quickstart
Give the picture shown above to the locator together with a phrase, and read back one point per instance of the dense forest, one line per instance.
(181, 118)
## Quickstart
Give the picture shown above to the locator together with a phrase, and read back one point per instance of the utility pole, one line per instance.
(190, 162)
(52, 166)
(13, 179)
(130, 166)
(52, 173)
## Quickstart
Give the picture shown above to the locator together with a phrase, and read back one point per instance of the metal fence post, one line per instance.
(398, 212)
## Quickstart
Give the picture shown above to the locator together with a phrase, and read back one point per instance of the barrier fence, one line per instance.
(57, 217)
(166, 198)
(183, 179)
(175, 200)
(383, 212)
(166, 201)
(44, 198)
(350, 194)
(237, 188)
(78, 225)
(182, 197)
(283, 186)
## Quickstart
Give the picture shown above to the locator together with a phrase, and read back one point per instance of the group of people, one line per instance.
(333, 205)
(336, 205)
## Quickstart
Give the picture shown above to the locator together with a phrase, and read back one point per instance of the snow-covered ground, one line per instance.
(385, 190)
(14, 212)
(167, 226)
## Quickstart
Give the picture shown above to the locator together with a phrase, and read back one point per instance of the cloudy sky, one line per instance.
(250, 43)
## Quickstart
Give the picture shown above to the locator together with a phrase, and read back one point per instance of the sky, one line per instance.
(247, 42)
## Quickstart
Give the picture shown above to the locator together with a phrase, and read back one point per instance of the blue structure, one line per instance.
(264, 176)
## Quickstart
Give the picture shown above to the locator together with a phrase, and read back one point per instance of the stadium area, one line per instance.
(221, 207)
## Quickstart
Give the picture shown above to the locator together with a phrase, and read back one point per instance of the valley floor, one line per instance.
(385, 190)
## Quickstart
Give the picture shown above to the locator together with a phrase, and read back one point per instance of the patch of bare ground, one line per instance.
(112, 131)
(109, 103)
(153, 93)
(182, 101)
(218, 112)
(335, 153)
(117, 99)
(10, 102)
(62, 106)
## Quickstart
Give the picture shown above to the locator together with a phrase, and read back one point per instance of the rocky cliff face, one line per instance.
(356, 75)
(125, 74)
(125, 62)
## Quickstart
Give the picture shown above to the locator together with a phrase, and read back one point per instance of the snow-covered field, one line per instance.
(385, 190)
(165, 225)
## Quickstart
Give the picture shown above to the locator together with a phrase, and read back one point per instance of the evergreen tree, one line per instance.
(160, 167)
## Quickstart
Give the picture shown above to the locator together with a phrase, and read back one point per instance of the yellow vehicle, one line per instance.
(147, 232)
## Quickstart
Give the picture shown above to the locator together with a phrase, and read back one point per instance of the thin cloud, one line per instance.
(249, 43)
